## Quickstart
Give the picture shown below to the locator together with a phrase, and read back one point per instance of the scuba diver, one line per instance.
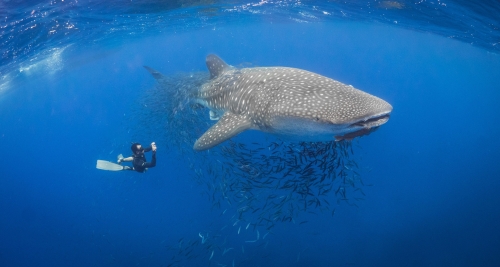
(138, 158)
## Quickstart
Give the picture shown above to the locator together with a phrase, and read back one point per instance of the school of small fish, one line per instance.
(256, 185)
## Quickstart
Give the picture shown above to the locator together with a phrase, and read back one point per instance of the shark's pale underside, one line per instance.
(288, 102)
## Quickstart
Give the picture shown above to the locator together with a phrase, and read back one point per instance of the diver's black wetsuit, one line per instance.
(140, 163)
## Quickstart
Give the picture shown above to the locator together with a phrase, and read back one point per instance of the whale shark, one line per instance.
(288, 102)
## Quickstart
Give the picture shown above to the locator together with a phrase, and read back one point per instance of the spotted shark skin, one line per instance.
(288, 102)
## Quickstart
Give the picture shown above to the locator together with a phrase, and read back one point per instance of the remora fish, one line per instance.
(288, 102)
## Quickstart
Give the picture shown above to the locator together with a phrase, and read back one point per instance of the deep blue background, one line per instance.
(434, 165)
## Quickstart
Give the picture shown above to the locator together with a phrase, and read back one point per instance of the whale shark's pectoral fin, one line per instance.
(228, 126)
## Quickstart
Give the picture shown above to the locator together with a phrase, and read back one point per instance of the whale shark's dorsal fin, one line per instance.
(216, 66)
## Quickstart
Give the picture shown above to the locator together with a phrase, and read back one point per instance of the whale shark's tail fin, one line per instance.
(157, 75)
(180, 88)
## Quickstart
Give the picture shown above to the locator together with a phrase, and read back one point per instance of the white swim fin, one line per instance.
(108, 166)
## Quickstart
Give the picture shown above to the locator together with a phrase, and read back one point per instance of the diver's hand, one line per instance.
(153, 146)
(119, 161)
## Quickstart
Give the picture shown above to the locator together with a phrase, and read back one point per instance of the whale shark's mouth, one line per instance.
(373, 121)
(368, 126)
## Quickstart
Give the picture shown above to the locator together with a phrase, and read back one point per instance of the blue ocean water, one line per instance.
(73, 90)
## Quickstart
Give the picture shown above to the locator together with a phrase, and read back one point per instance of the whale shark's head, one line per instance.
(314, 107)
(366, 114)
